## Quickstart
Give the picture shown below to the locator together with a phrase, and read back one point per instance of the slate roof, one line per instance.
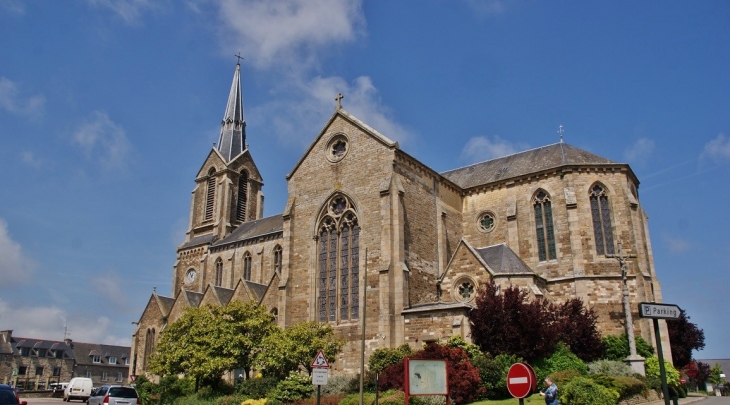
(724, 364)
(86, 351)
(436, 306)
(258, 289)
(16, 343)
(502, 260)
(522, 163)
(224, 294)
(194, 298)
(166, 302)
(253, 229)
(197, 241)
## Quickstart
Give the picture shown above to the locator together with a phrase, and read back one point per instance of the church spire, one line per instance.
(232, 140)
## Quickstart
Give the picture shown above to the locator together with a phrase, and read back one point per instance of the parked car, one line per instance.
(8, 396)
(114, 395)
(78, 388)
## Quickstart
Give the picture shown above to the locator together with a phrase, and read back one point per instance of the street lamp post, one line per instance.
(635, 361)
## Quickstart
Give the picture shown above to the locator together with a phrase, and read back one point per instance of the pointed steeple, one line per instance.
(232, 140)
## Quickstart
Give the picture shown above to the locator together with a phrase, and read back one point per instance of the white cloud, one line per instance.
(310, 103)
(103, 140)
(12, 6)
(15, 267)
(31, 160)
(48, 322)
(481, 148)
(129, 10)
(485, 8)
(288, 32)
(12, 102)
(717, 150)
(111, 288)
(676, 244)
(639, 151)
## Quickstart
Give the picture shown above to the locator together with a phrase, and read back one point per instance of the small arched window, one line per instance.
(277, 259)
(242, 196)
(601, 216)
(247, 266)
(544, 226)
(218, 272)
(210, 195)
(149, 347)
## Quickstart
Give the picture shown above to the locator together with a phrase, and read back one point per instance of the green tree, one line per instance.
(210, 340)
(617, 347)
(714, 377)
(652, 370)
(296, 346)
(383, 357)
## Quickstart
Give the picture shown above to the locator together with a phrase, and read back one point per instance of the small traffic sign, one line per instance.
(133, 377)
(320, 376)
(659, 311)
(520, 380)
(320, 361)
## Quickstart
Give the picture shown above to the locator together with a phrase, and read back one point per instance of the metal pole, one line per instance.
(660, 355)
(362, 337)
(319, 387)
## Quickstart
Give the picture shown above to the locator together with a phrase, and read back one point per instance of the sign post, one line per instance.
(521, 381)
(320, 371)
(656, 312)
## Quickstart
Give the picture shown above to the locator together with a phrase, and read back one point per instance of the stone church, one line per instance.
(369, 231)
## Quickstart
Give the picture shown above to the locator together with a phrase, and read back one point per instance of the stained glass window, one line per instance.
(486, 221)
(544, 226)
(601, 216)
(338, 262)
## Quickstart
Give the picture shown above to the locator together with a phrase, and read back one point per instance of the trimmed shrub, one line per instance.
(229, 400)
(340, 384)
(625, 386)
(562, 359)
(584, 391)
(560, 378)
(652, 369)
(294, 387)
(254, 402)
(354, 399)
(617, 347)
(392, 397)
(257, 388)
(610, 367)
(495, 372)
(323, 400)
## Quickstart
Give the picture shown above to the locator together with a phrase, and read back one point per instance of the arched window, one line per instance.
(149, 347)
(218, 272)
(601, 215)
(544, 226)
(338, 277)
(210, 195)
(277, 259)
(242, 196)
(247, 266)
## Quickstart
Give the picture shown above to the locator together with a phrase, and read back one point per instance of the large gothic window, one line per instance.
(544, 226)
(338, 242)
(149, 347)
(218, 272)
(277, 259)
(247, 266)
(242, 196)
(210, 195)
(601, 216)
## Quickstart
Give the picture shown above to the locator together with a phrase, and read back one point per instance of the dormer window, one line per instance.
(112, 360)
(96, 359)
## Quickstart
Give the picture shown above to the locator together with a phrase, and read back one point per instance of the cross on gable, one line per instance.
(339, 100)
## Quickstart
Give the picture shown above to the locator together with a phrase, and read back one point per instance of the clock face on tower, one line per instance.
(190, 276)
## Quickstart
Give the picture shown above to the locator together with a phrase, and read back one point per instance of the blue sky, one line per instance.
(108, 108)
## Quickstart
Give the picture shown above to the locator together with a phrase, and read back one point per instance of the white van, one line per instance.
(78, 388)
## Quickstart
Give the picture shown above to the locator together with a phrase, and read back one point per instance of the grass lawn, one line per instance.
(534, 399)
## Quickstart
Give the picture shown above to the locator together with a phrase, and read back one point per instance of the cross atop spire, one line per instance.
(232, 139)
(560, 132)
(339, 101)
(238, 55)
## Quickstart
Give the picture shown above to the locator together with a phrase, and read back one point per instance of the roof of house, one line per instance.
(522, 163)
(85, 353)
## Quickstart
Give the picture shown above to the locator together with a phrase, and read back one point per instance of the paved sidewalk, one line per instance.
(682, 401)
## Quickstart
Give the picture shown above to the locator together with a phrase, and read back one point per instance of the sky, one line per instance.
(108, 109)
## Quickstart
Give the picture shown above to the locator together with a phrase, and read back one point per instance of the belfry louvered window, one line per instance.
(601, 216)
(242, 196)
(247, 266)
(338, 246)
(544, 226)
(218, 272)
(210, 195)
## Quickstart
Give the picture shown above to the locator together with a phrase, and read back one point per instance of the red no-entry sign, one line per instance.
(520, 380)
